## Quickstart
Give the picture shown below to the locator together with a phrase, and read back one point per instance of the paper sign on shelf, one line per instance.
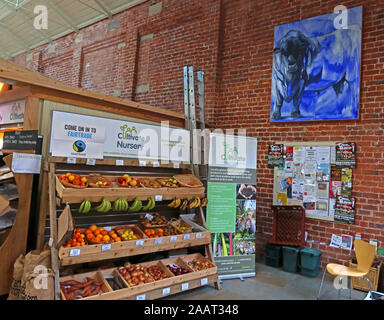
(26, 163)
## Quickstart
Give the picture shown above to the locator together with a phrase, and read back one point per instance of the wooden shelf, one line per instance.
(91, 253)
(74, 195)
(154, 290)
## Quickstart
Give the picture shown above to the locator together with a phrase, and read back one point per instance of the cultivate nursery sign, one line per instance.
(231, 210)
(120, 138)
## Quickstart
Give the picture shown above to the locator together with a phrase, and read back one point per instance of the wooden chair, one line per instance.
(365, 254)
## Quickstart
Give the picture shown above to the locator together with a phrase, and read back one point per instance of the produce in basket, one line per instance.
(78, 239)
(157, 273)
(150, 183)
(168, 182)
(128, 234)
(176, 270)
(98, 235)
(135, 275)
(127, 181)
(96, 180)
(154, 220)
(73, 289)
(73, 181)
(198, 265)
(154, 233)
(188, 180)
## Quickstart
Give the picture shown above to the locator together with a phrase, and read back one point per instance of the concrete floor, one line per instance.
(270, 284)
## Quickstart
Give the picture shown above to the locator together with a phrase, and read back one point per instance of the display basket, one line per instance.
(137, 232)
(70, 185)
(160, 180)
(288, 225)
(129, 187)
(144, 222)
(93, 178)
(150, 183)
(180, 222)
(188, 180)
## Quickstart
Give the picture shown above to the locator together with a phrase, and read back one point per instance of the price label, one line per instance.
(158, 240)
(141, 297)
(139, 242)
(50, 242)
(142, 163)
(173, 239)
(74, 252)
(91, 162)
(119, 162)
(156, 164)
(106, 247)
(176, 165)
(71, 160)
(186, 237)
(204, 281)
(159, 198)
(198, 235)
(149, 216)
(184, 286)
(108, 228)
(166, 291)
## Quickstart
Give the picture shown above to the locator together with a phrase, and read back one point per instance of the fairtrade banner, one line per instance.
(130, 139)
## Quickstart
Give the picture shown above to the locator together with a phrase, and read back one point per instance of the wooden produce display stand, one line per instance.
(42, 96)
(66, 256)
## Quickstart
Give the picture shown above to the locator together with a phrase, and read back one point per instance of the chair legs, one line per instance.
(369, 285)
(321, 284)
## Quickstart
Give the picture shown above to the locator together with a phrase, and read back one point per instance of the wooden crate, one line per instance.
(97, 252)
(74, 195)
(362, 284)
(82, 277)
(198, 256)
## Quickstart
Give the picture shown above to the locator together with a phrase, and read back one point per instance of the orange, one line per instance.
(99, 237)
(104, 232)
(101, 229)
(114, 236)
(88, 231)
(117, 239)
(96, 232)
(93, 227)
(78, 230)
(90, 236)
(82, 236)
(68, 174)
(106, 238)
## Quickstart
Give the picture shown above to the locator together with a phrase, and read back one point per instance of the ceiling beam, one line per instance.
(13, 37)
(104, 8)
(61, 14)
(23, 17)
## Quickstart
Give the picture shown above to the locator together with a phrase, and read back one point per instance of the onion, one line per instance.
(127, 265)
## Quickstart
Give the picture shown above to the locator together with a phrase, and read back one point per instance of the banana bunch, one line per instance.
(204, 202)
(150, 205)
(120, 205)
(136, 206)
(184, 205)
(104, 206)
(175, 203)
(194, 203)
(85, 207)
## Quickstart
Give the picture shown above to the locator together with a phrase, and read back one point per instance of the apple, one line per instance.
(120, 180)
(133, 183)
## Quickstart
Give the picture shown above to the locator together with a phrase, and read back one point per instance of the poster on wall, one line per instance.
(316, 68)
(275, 155)
(122, 138)
(346, 155)
(231, 209)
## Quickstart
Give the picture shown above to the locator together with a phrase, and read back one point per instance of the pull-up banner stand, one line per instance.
(231, 210)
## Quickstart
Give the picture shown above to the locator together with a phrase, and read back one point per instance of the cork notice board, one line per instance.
(310, 178)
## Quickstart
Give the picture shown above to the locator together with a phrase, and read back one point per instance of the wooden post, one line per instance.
(53, 228)
(43, 211)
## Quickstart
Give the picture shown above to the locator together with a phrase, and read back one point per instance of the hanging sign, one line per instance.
(20, 140)
(73, 136)
(231, 209)
(12, 112)
(126, 139)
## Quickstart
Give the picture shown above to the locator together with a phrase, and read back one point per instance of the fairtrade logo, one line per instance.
(125, 129)
(79, 146)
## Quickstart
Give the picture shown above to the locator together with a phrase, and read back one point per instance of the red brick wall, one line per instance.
(232, 41)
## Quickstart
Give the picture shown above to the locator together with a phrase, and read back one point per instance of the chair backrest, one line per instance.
(365, 254)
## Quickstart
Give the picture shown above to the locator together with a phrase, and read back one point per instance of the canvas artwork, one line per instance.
(316, 68)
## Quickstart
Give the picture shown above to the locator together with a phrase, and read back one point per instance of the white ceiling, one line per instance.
(18, 35)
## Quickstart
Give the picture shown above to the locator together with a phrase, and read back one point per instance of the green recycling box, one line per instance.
(273, 255)
(290, 258)
(310, 262)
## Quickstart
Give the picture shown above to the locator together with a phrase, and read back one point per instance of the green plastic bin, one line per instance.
(290, 258)
(273, 255)
(310, 262)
